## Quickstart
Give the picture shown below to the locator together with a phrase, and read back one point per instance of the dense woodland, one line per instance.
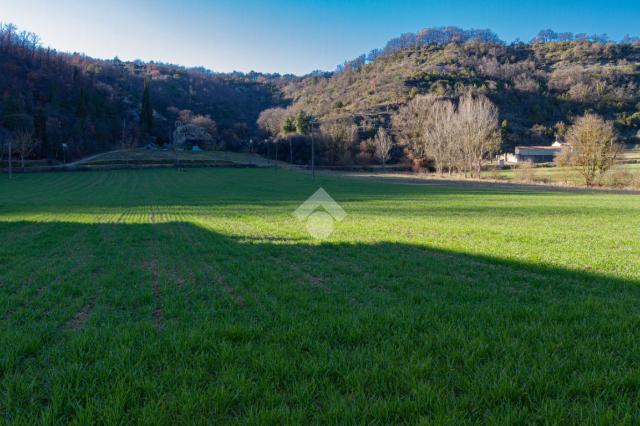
(95, 105)
(538, 88)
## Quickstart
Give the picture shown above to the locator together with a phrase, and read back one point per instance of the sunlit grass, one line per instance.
(161, 296)
(621, 175)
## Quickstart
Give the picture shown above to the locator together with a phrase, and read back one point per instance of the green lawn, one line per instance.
(180, 297)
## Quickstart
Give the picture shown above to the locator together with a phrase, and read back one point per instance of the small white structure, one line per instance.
(507, 158)
(186, 136)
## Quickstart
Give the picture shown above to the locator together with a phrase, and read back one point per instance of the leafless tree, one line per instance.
(383, 143)
(272, 121)
(207, 123)
(593, 146)
(453, 138)
(478, 131)
(409, 124)
(441, 135)
(6, 146)
(25, 144)
(339, 137)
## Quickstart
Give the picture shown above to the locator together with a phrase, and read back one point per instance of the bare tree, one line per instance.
(441, 135)
(272, 121)
(210, 126)
(478, 131)
(25, 144)
(409, 124)
(5, 145)
(383, 143)
(593, 146)
(339, 137)
(454, 139)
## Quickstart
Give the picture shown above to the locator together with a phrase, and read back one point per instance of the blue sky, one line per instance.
(286, 35)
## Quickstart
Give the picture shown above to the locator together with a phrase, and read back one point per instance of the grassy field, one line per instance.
(621, 175)
(180, 297)
(624, 174)
(145, 156)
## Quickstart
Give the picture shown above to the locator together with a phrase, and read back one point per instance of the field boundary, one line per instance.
(468, 183)
(89, 168)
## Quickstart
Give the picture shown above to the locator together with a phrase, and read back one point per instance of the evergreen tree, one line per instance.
(147, 110)
(303, 123)
(289, 125)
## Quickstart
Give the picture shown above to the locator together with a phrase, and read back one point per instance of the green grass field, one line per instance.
(169, 297)
(143, 156)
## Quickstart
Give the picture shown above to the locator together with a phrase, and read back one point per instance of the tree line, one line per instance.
(390, 107)
(443, 134)
(451, 34)
(538, 89)
(455, 136)
(73, 105)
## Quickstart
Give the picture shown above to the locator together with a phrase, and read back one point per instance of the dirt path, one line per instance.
(93, 157)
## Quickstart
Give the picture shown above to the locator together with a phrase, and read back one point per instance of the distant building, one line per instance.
(187, 136)
(537, 154)
(534, 154)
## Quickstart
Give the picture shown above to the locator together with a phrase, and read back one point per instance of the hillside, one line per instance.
(92, 105)
(534, 85)
(95, 105)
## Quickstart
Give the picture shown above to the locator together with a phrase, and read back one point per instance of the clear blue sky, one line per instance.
(288, 35)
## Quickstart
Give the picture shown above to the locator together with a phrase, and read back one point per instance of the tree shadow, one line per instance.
(232, 327)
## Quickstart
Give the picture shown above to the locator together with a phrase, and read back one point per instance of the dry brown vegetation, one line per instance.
(457, 138)
(538, 88)
(592, 147)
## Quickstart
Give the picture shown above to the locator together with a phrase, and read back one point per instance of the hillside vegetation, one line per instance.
(535, 86)
(94, 105)
(83, 105)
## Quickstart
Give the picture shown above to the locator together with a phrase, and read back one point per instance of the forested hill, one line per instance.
(537, 86)
(94, 105)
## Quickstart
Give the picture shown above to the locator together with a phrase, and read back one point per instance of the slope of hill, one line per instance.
(94, 105)
(535, 85)
(90, 105)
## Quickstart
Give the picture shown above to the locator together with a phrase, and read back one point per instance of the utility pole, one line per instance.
(313, 155)
(124, 127)
(313, 149)
(64, 153)
(10, 158)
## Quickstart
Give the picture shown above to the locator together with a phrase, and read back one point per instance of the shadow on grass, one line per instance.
(403, 267)
(228, 328)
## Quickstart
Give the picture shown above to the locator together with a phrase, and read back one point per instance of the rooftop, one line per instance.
(539, 148)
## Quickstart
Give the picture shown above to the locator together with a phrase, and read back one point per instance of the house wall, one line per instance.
(535, 158)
